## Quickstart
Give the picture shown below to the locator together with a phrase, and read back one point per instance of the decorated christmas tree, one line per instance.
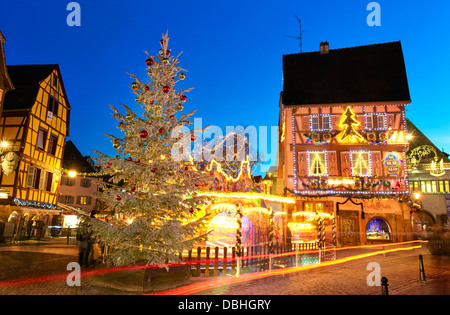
(150, 192)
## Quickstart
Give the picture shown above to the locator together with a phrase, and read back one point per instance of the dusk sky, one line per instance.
(232, 51)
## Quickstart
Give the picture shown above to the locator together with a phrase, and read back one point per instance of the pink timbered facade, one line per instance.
(343, 144)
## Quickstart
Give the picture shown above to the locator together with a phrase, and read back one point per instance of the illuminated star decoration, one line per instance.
(348, 124)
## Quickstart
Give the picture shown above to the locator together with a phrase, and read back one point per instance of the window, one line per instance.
(52, 107)
(444, 186)
(55, 80)
(375, 121)
(381, 122)
(314, 123)
(66, 199)
(317, 164)
(36, 178)
(84, 200)
(326, 122)
(52, 145)
(41, 139)
(67, 181)
(313, 206)
(369, 122)
(49, 179)
(85, 182)
(320, 122)
(361, 164)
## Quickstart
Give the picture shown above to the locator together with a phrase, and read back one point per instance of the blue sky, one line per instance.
(232, 50)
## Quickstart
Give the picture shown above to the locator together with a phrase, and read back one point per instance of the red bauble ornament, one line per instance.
(161, 130)
(182, 97)
(119, 198)
(186, 168)
(171, 116)
(167, 52)
(149, 62)
(166, 89)
(130, 159)
(191, 210)
(143, 134)
(153, 170)
(146, 88)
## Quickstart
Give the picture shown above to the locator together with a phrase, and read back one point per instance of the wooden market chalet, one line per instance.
(342, 144)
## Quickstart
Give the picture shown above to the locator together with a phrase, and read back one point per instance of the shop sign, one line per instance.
(392, 163)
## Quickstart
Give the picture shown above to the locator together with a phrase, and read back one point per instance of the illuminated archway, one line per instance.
(378, 229)
(223, 229)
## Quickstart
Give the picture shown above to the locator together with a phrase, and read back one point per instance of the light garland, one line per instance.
(248, 195)
(309, 213)
(230, 177)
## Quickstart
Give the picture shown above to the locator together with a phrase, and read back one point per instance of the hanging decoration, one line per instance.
(9, 162)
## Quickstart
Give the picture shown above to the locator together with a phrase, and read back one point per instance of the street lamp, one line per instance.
(3, 146)
(72, 174)
(417, 195)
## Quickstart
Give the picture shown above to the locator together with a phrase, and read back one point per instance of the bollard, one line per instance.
(68, 235)
(423, 280)
(384, 286)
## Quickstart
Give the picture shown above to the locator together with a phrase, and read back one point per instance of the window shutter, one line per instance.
(42, 180)
(88, 200)
(78, 200)
(30, 176)
(71, 200)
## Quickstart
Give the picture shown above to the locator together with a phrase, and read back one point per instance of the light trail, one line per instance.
(219, 282)
(223, 280)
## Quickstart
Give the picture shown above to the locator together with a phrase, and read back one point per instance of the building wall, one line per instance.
(433, 193)
(78, 192)
(376, 191)
(298, 120)
(38, 138)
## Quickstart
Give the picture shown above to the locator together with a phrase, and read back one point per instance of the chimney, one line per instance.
(324, 48)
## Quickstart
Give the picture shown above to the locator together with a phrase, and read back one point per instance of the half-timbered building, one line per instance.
(343, 142)
(34, 126)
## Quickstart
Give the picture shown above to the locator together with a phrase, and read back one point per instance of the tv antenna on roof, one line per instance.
(300, 34)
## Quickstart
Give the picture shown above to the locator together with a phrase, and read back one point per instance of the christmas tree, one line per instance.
(150, 194)
(348, 124)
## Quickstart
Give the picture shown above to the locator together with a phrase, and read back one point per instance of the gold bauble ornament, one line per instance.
(165, 61)
(179, 107)
(181, 76)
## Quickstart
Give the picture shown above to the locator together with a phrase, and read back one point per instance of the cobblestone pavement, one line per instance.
(34, 265)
